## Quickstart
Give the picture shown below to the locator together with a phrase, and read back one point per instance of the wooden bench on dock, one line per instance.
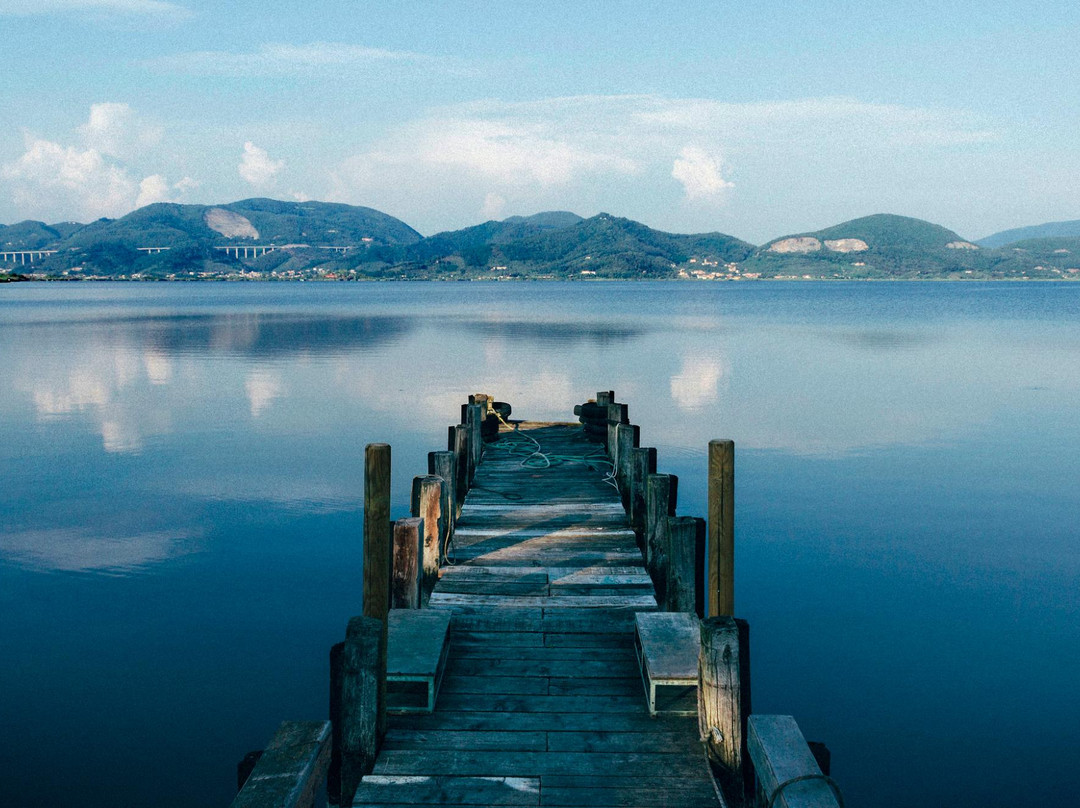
(546, 645)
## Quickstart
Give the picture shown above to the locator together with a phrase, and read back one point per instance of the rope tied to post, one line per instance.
(802, 778)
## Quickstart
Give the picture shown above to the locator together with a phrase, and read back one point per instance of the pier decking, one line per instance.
(542, 703)
(559, 637)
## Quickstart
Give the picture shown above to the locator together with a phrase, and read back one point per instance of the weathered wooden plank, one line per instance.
(670, 642)
(500, 651)
(463, 639)
(498, 685)
(672, 743)
(406, 584)
(492, 740)
(527, 764)
(629, 686)
(511, 703)
(291, 769)
(780, 754)
(580, 718)
(630, 601)
(583, 669)
(524, 620)
(378, 789)
(631, 792)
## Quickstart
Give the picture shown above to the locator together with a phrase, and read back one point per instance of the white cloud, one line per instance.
(604, 152)
(94, 178)
(699, 174)
(281, 58)
(116, 131)
(157, 8)
(79, 182)
(156, 188)
(257, 168)
(494, 205)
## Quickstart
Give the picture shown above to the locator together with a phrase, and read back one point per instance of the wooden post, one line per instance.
(443, 464)
(660, 499)
(290, 771)
(686, 536)
(626, 438)
(724, 702)
(474, 420)
(605, 397)
(405, 586)
(429, 500)
(461, 461)
(642, 464)
(377, 543)
(617, 414)
(721, 561)
(789, 773)
(363, 700)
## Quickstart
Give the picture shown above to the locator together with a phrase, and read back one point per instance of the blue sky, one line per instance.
(752, 119)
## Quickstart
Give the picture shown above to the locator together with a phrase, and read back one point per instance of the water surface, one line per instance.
(182, 471)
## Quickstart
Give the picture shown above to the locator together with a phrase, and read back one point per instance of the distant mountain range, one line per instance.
(322, 240)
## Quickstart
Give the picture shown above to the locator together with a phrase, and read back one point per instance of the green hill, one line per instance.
(882, 245)
(1039, 231)
(30, 235)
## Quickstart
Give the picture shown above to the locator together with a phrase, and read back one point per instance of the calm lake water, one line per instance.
(182, 472)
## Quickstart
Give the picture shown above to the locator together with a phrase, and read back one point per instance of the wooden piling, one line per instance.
(363, 700)
(626, 439)
(462, 458)
(408, 565)
(430, 503)
(642, 464)
(721, 562)
(474, 422)
(617, 414)
(290, 771)
(605, 397)
(443, 464)
(724, 702)
(661, 494)
(685, 575)
(377, 544)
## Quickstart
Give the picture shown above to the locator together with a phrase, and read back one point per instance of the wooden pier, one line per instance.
(546, 646)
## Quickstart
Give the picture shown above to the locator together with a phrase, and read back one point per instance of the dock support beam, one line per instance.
(442, 464)
(377, 553)
(408, 566)
(685, 586)
(363, 700)
(661, 494)
(724, 702)
(431, 503)
(721, 527)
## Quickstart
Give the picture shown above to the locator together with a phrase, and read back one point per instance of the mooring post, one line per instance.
(724, 702)
(627, 437)
(617, 414)
(377, 543)
(430, 503)
(642, 464)
(605, 397)
(721, 562)
(444, 465)
(363, 701)
(408, 566)
(462, 459)
(473, 420)
(685, 571)
(661, 493)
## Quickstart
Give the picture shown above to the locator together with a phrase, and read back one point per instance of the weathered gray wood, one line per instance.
(378, 789)
(291, 769)
(363, 699)
(605, 397)
(408, 565)
(246, 766)
(686, 541)
(660, 500)
(780, 754)
(626, 439)
(642, 464)
(670, 642)
(462, 462)
(724, 701)
(377, 552)
(430, 503)
(721, 579)
(470, 763)
(617, 414)
(444, 465)
(474, 420)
